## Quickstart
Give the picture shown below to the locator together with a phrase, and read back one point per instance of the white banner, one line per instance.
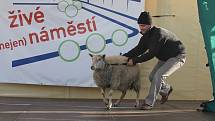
(47, 42)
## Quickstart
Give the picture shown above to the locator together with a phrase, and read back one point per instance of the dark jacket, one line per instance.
(157, 42)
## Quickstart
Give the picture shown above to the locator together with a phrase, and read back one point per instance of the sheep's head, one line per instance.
(98, 62)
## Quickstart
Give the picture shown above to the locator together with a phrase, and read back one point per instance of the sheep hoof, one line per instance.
(136, 105)
(108, 108)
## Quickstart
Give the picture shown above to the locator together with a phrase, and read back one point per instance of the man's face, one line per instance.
(144, 28)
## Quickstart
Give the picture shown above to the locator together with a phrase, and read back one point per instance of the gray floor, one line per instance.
(31, 109)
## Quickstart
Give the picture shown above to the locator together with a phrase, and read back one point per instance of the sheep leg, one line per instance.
(103, 95)
(110, 99)
(120, 99)
(137, 99)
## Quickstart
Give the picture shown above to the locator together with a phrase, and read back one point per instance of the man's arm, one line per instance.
(154, 48)
(138, 50)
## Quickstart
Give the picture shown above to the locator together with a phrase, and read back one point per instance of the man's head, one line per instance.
(144, 21)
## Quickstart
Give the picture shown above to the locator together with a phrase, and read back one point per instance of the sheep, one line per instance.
(115, 77)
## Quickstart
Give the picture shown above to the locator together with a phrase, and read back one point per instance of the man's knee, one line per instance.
(159, 76)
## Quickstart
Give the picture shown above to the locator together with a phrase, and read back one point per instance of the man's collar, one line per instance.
(148, 31)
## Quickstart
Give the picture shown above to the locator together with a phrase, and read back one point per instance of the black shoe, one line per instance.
(165, 96)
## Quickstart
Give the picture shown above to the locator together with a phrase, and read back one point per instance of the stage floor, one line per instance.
(35, 109)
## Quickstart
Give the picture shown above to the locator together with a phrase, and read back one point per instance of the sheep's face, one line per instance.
(98, 62)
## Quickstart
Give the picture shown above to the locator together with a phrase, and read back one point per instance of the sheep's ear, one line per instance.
(90, 55)
(103, 56)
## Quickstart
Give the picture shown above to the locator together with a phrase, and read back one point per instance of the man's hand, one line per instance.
(130, 62)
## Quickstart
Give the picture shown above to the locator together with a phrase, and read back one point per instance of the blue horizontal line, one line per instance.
(34, 59)
(83, 47)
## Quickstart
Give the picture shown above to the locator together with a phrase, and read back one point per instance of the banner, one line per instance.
(47, 42)
(206, 16)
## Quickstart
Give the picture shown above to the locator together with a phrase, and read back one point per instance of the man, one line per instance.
(167, 48)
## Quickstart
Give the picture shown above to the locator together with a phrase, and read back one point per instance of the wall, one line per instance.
(191, 82)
